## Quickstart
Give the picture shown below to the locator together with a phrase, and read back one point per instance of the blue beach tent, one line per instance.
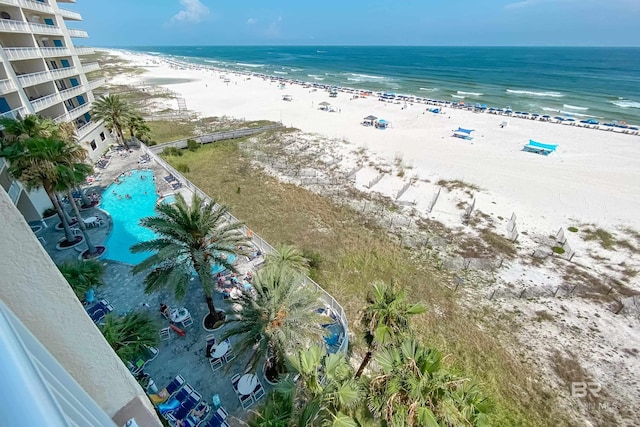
(463, 133)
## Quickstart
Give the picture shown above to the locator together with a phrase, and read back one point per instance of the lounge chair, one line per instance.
(234, 381)
(217, 419)
(258, 392)
(169, 178)
(175, 385)
(216, 363)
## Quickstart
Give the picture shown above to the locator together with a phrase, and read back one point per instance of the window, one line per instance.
(102, 137)
(93, 144)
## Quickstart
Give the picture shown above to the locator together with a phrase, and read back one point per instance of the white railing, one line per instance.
(94, 84)
(45, 29)
(83, 50)
(55, 51)
(35, 5)
(70, 14)
(87, 128)
(73, 91)
(6, 86)
(14, 114)
(62, 118)
(14, 26)
(3, 163)
(22, 52)
(34, 78)
(14, 191)
(265, 247)
(77, 33)
(61, 73)
(46, 101)
(78, 111)
(90, 66)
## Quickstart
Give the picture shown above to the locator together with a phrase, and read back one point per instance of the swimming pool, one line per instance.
(168, 199)
(127, 212)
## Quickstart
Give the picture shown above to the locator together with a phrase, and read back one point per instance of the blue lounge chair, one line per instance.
(175, 385)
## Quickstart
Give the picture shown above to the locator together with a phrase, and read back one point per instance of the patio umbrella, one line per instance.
(324, 104)
(370, 118)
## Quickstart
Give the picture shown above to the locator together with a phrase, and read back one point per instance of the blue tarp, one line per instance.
(541, 145)
(467, 131)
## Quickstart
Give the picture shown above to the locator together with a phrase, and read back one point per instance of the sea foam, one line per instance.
(244, 64)
(429, 89)
(470, 93)
(533, 93)
(626, 103)
(573, 107)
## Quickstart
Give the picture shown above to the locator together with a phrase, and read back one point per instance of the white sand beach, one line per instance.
(593, 177)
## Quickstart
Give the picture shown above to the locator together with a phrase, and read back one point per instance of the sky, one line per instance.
(121, 23)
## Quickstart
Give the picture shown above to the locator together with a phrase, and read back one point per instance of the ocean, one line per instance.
(600, 83)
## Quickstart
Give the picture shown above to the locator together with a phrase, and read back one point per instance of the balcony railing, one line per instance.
(86, 128)
(14, 26)
(90, 66)
(70, 14)
(46, 101)
(35, 5)
(94, 84)
(78, 33)
(77, 112)
(6, 86)
(55, 51)
(62, 118)
(14, 191)
(74, 91)
(61, 73)
(34, 78)
(14, 114)
(83, 50)
(22, 52)
(45, 29)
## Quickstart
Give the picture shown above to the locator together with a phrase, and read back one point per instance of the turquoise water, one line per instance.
(126, 214)
(168, 200)
(603, 83)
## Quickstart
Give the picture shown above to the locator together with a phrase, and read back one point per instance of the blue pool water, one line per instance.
(126, 214)
(169, 199)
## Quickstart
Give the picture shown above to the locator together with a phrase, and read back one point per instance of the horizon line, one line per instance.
(374, 45)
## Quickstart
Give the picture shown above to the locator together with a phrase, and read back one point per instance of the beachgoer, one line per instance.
(128, 196)
(164, 309)
(192, 419)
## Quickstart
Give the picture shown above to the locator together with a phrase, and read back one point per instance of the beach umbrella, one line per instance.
(324, 104)
(371, 118)
(546, 116)
(559, 118)
(536, 115)
(569, 120)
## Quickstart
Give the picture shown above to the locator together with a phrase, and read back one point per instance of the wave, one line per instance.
(321, 51)
(244, 64)
(315, 76)
(280, 72)
(533, 93)
(457, 96)
(429, 89)
(470, 93)
(295, 69)
(573, 107)
(367, 76)
(626, 103)
(211, 61)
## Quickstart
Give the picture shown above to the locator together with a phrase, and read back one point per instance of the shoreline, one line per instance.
(593, 177)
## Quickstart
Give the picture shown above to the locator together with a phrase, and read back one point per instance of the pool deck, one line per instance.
(125, 291)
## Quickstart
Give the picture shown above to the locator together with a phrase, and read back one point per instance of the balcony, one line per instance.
(55, 51)
(45, 29)
(90, 66)
(6, 86)
(46, 101)
(14, 114)
(61, 73)
(77, 112)
(8, 25)
(78, 33)
(62, 118)
(17, 53)
(14, 191)
(34, 78)
(94, 84)
(85, 129)
(83, 50)
(70, 14)
(29, 4)
(71, 92)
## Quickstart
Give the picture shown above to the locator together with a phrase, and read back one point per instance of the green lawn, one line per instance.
(354, 254)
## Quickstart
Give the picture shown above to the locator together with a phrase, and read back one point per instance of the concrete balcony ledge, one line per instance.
(46, 101)
(45, 29)
(14, 114)
(70, 14)
(90, 66)
(7, 86)
(84, 50)
(74, 91)
(77, 33)
(34, 78)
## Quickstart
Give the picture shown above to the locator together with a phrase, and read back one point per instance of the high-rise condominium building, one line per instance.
(42, 72)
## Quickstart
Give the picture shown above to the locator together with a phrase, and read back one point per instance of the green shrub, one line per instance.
(49, 212)
(238, 190)
(192, 145)
(182, 167)
(151, 143)
(172, 151)
(558, 250)
(315, 261)
(573, 229)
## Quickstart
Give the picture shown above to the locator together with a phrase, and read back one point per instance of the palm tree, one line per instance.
(278, 320)
(288, 257)
(191, 239)
(328, 388)
(32, 125)
(412, 388)
(138, 127)
(115, 112)
(385, 318)
(46, 162)
(130, 335)
(82, 275)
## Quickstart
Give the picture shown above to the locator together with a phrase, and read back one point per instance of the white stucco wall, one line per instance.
(36, 292)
